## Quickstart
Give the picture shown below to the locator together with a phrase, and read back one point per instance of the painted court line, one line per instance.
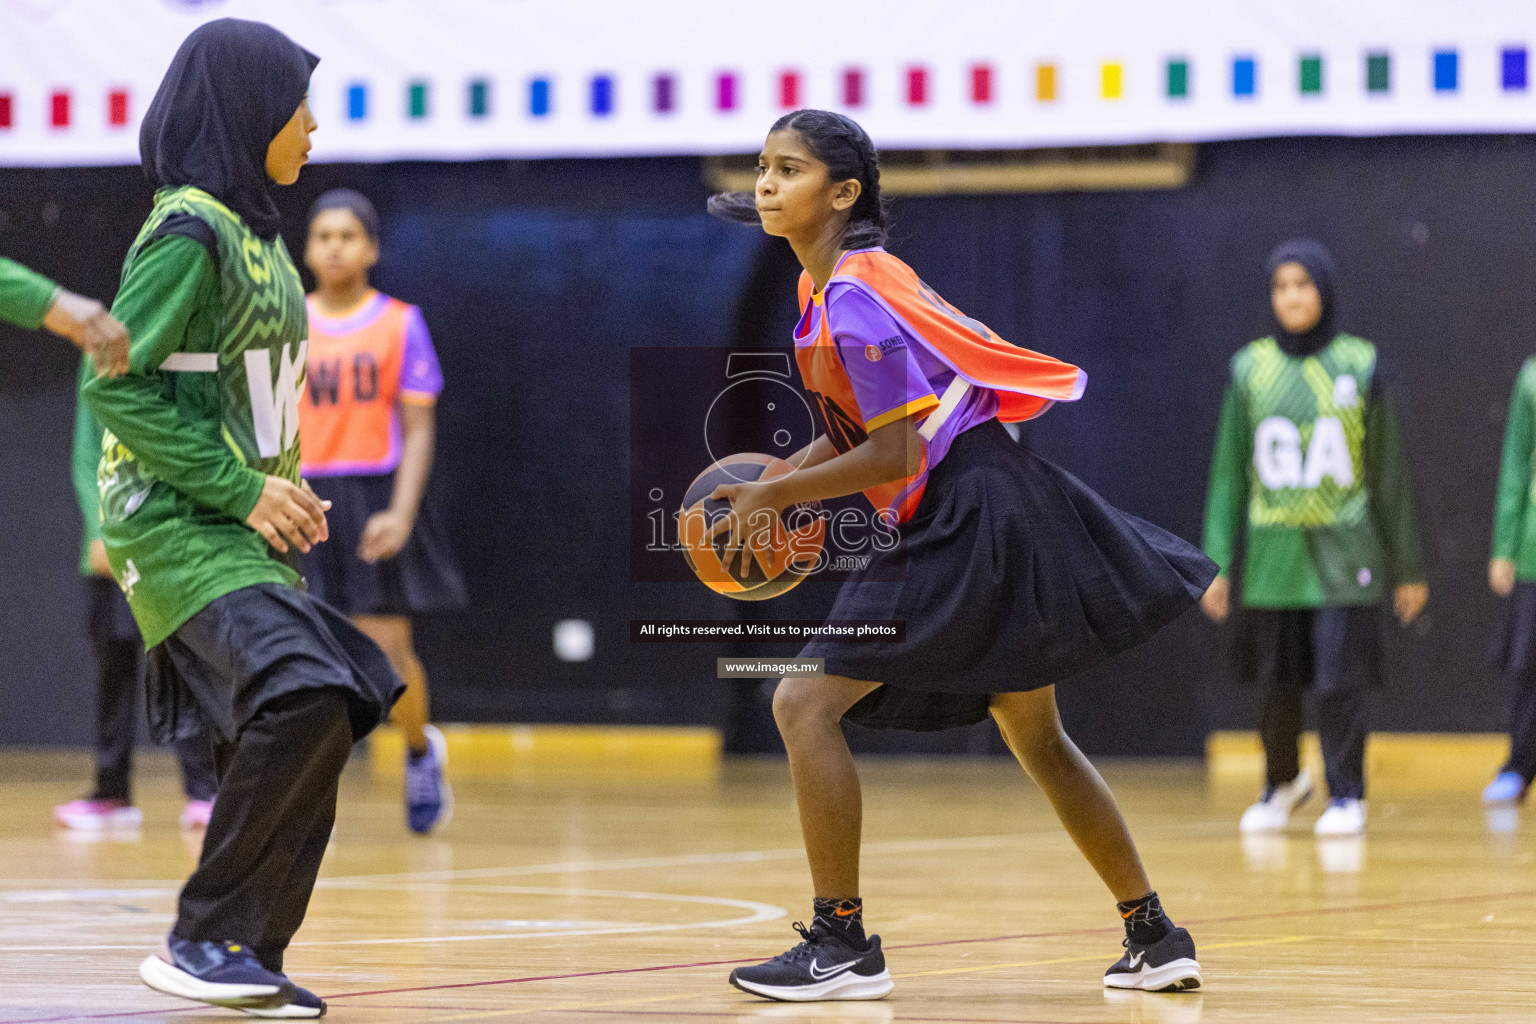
(1114, 929)
(27, 890)
(976, 842)
(737, 1013)
(758, 912)
(1320, 911)
(146, 889)
(143, 889)
(852, 1020)
(681, 860)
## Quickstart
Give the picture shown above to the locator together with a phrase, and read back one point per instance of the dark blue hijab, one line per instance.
(230, 89)
(1318, 263)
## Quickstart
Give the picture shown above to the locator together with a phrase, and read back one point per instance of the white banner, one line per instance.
(467, 79)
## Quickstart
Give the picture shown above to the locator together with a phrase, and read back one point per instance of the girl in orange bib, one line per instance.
(1010, 575)
(367, 439)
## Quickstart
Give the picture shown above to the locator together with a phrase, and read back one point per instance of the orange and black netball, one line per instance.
(777, 563)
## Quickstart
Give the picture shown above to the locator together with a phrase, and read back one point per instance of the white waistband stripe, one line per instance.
(191, 362)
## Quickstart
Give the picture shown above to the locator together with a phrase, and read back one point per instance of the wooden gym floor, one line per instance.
(593, 899)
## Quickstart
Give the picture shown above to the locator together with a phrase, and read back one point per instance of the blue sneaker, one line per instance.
(428, 798)
(218, 973)
(1506, 788)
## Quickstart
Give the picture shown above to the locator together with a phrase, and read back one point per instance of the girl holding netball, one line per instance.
(1013, 575)
(369, 415)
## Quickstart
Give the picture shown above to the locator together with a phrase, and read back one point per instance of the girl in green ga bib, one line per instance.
(1309, 481)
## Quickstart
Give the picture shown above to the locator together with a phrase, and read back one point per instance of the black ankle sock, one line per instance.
(1145, 922)
(844, 918)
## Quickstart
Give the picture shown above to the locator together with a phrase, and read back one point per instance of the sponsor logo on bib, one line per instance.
(1346, 391)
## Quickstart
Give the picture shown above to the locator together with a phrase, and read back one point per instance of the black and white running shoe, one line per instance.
(1167, 965)
(293, 1004)
(824, 966)
(219, 973)
(227, 974)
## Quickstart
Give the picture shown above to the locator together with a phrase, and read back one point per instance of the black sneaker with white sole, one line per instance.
(824, 966)
(1167, 965)
(227, 974)
(294, 1003)
(218, 973)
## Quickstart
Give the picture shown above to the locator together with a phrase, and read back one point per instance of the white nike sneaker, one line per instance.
(1344, 817)
(1273, 810)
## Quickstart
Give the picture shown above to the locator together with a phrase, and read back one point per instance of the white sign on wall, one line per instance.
(466, 79)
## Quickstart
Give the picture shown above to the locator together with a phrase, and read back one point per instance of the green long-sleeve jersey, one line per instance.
(25, 295)
(207, 409)
(1309, 480)
(1514, 528)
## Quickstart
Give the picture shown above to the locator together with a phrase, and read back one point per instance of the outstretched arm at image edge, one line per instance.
(25, 295)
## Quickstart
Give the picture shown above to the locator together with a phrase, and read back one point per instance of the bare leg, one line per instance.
(809, 713)
(1032, 729)
(393, 635)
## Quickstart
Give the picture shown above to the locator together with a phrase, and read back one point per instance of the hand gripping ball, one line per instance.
(780, 558)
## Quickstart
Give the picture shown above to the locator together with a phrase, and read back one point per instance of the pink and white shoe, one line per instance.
(98, 815)
(196, 815)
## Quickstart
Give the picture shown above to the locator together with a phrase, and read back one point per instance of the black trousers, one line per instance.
(270, 826)
(1518, 664)
(1334, 652)
(1340, 729)
(120, 680)
(1522, 728)
(288, 685)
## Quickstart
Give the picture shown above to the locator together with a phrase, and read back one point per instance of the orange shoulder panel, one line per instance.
(1026, 382)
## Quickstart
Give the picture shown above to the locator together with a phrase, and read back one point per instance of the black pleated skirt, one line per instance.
(423, 577)
(1016, 576)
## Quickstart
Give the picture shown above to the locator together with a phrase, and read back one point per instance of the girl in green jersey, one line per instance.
(1309, 481)
(1512, 574)
(202, 511)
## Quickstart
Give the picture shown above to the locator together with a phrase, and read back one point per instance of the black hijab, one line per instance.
(1318, 263)
(231, 88)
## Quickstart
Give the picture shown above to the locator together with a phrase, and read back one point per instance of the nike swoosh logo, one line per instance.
(1136, 960)
(821, 974)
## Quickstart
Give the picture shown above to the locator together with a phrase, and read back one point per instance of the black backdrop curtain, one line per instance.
(537, 279)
